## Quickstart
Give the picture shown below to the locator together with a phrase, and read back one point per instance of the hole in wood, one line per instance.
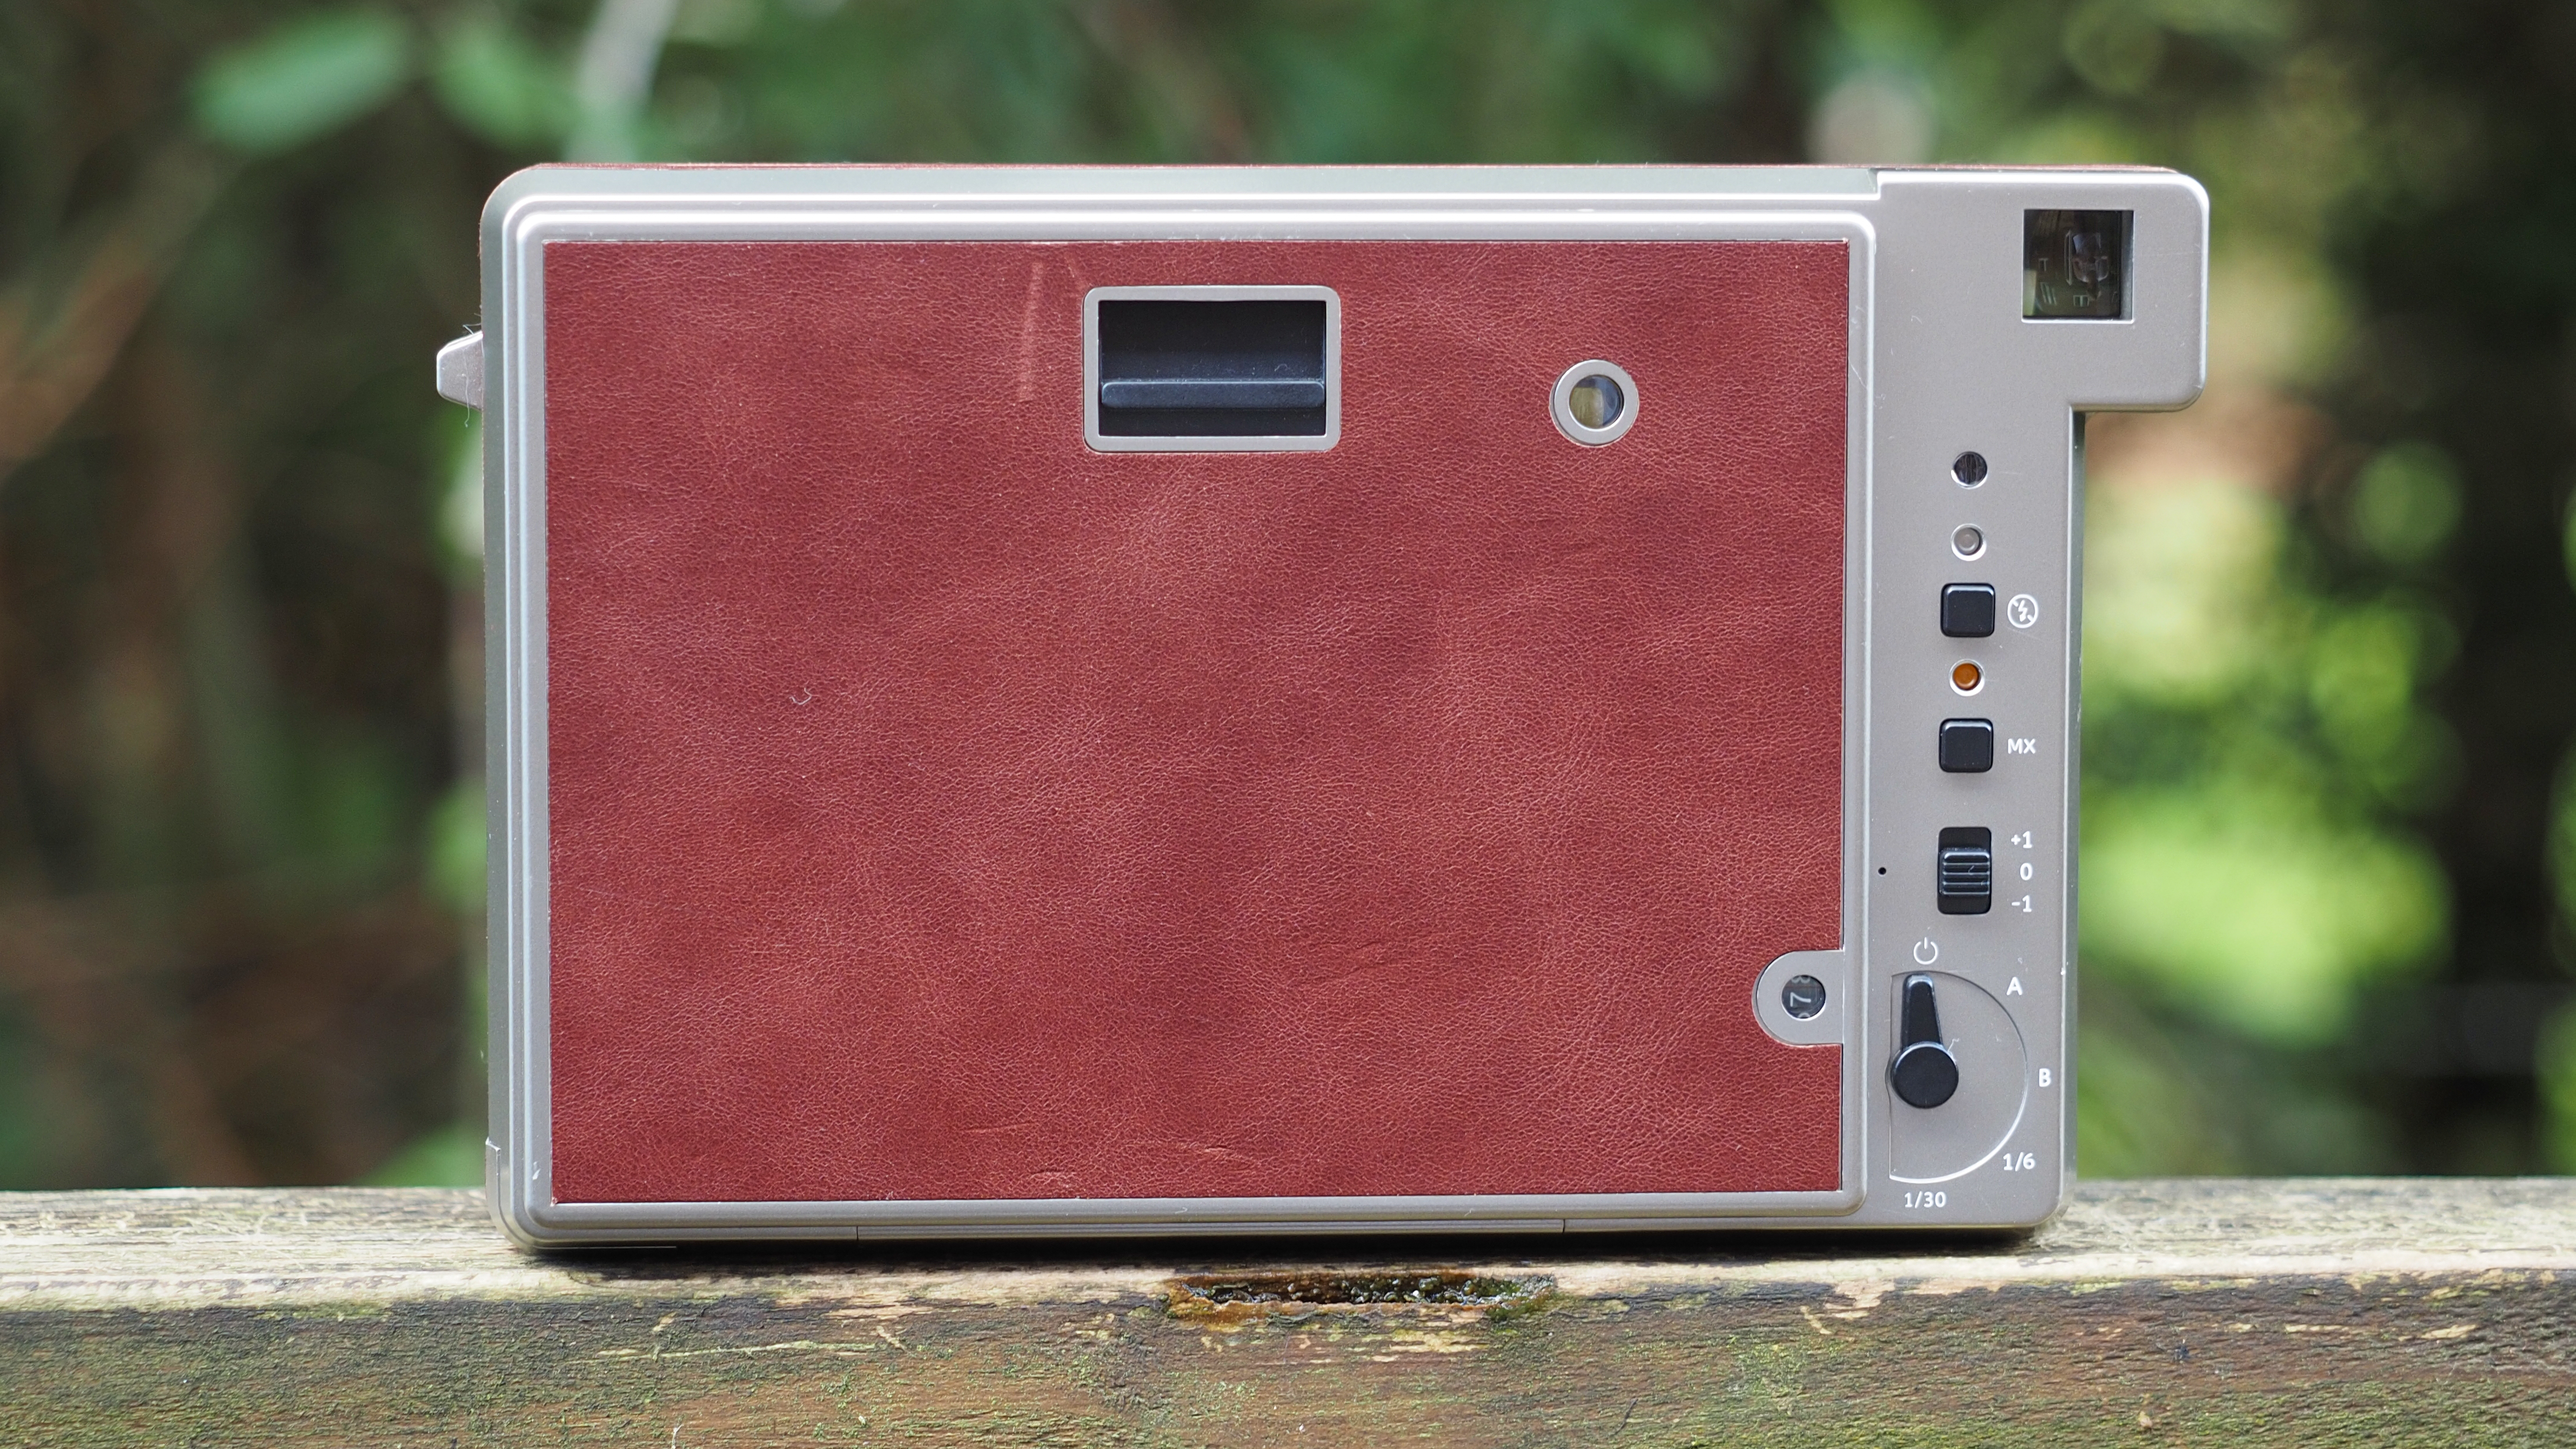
(1245, 1294)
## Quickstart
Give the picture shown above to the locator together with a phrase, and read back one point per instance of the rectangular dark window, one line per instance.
(2075, 265)
(1180, 369)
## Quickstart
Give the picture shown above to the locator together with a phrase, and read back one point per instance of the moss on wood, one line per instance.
(2243, 1314)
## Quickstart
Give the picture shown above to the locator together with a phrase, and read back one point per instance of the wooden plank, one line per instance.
(2309, 1312)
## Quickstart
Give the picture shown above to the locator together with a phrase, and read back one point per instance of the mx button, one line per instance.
(1967, 745)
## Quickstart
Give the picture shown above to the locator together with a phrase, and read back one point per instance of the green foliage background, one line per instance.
(2328, 636)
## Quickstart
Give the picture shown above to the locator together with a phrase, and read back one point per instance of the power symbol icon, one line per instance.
(1926, 951)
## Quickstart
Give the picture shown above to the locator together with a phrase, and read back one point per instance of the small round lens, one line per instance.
(1802, 997)
(1596, 402)
(1966, 676)
(1969, 468)
(1593, 403)
(1968, 542)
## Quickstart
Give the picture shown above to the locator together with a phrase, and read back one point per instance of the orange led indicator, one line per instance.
(1966, 676)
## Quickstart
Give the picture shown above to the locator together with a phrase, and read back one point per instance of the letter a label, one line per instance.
(2015, 988)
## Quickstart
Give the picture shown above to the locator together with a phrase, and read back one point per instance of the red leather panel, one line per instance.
(940, 809)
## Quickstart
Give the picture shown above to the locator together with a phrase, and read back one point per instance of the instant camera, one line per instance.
(1037, 701)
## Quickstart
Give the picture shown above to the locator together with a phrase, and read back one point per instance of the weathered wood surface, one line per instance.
(2244, 1313)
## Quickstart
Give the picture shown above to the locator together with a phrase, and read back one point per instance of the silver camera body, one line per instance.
(1983, 314)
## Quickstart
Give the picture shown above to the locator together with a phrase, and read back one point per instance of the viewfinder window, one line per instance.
(2075, 265)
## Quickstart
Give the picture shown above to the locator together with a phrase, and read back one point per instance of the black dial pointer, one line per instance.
(1924, 1073)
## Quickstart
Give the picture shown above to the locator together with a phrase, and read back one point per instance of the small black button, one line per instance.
(1964, 878)
(1968, 610)
(1967, 746)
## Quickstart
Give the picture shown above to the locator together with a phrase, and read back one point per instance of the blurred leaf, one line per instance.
(355, 801)
(499, 85)
(2160, 1092)
(2277, 317)
(2363, 667)
(716, 22)
(2180, 598)
(456, 849)
(2254, 910)
(1872, 118)
(2228, 19)
(451, 1156)
(2406, 502)
(306, 78)
(2556, 1067)
(613, 80)
(460, 509)
(64, 321)
(2139, 1111)
(2115, 44)
(2562, 839)
(1899, 34)
(2072, 139)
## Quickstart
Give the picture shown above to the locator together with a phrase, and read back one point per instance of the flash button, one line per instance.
(1968, 610)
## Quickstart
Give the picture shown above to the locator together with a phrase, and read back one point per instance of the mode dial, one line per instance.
(1924, 1073)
